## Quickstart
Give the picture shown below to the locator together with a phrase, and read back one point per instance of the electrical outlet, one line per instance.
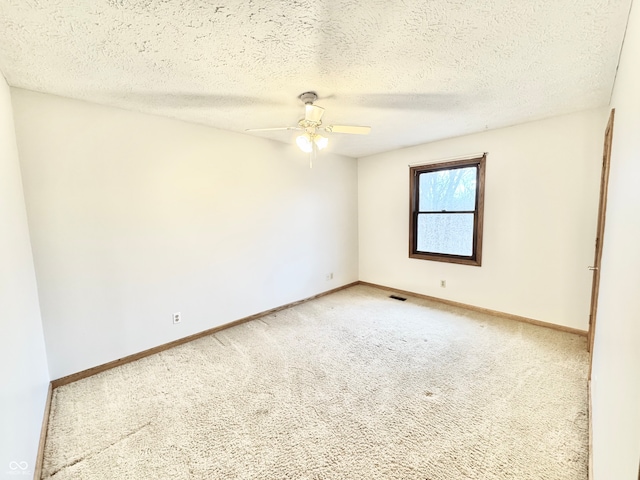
(443, 283)
(177, 318)
(329, 276)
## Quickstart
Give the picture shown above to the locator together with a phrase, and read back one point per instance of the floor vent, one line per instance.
(396, 297)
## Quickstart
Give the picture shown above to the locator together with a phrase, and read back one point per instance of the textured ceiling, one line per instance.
(414, 70)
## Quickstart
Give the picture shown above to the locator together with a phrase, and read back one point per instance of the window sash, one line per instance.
(452, 255)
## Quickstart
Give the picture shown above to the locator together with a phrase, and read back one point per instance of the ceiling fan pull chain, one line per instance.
(312, 154)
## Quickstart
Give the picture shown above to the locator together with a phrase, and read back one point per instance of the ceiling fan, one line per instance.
(311, 141)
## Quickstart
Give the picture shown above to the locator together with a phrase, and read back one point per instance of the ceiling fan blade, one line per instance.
(272, 129)
(406, 101)
(353, 129)
(192, 99)
(313, 113)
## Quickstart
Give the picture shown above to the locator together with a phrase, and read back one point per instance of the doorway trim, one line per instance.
(602, 216)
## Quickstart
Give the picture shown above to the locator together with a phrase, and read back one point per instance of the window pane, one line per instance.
(446, 233)
(449, 190)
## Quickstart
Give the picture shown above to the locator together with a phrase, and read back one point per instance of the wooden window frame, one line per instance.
(478, 221)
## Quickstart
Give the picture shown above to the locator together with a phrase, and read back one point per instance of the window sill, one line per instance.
(477, 262)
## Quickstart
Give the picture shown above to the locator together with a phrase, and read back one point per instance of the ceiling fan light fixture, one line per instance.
(320, 141)
(306, 140)
(304, 143)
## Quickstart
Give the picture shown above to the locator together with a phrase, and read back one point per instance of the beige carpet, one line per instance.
(353, 385)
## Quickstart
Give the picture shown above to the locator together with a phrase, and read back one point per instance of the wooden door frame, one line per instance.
(602, 215)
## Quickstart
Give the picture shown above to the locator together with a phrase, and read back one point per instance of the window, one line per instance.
(447, 201)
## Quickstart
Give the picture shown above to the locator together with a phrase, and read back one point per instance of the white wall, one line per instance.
(541, 196)
(24, 378)
(615, 378)
(134, 217)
